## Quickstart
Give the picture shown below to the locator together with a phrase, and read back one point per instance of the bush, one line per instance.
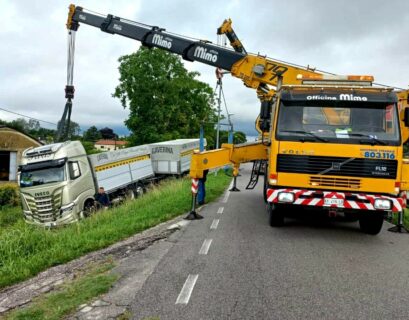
(9, 195)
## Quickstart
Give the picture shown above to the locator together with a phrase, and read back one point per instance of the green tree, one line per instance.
(20, 124)
(238, 137)
(89, 147)
(74, 131)
(165, 100)
(92, 134)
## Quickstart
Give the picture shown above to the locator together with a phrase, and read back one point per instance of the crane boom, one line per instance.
(255, 71)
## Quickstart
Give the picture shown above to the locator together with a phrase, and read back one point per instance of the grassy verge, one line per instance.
(406, 218)
(26, 250)
(70, 295)
(9, 215)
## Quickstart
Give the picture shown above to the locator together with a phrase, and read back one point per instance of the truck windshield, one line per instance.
(40, 176)
(339, 122)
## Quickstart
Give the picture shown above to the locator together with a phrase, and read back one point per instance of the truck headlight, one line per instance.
(286, 197)
(383, 204)
(67, 208)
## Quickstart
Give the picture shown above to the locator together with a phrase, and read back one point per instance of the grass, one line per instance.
(26, 250)
(69, 296)
(406, 218)
(9, 215)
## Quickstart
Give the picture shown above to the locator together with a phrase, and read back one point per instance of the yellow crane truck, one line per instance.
(330, 142)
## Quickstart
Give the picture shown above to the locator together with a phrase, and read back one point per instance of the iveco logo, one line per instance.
(42, 194)
(82, 17)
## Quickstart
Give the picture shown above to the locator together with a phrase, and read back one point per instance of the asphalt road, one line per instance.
(310, 269)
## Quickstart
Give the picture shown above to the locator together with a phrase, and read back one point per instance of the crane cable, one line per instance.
(63, 128)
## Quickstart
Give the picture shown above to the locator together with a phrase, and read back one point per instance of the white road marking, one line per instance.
(226, 197)
(205, 246)
(220, 210)
(215, 223)
(187, 289)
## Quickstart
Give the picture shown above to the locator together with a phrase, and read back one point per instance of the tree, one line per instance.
(165, 100)
(20, 124)
(74, 130)
(108, 133)
(33, 125)
(238, 137)
(89, 147)
(92, 134)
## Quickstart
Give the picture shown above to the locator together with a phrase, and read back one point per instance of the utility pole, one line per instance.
(219, 102)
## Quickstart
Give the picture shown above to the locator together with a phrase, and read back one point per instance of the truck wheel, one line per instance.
(129, 194)
(265, 186)
(371, 222)
(89, 209)
(276, 214)
(140, 190)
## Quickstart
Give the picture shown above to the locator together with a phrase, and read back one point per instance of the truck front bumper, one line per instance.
(337, 200)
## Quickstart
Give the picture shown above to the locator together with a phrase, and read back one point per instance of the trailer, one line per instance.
(174, 156)
(117, 169)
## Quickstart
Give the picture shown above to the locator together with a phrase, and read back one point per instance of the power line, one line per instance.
(22, 115)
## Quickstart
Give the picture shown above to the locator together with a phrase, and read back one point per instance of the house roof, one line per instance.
(111, 142)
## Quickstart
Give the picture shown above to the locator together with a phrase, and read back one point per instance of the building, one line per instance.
(12, 145)
(108, 145)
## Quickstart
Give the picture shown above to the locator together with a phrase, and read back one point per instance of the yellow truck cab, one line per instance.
(336, 147)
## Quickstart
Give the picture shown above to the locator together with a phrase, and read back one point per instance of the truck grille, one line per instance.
(45, 209)
(335, 182)
(337, 166)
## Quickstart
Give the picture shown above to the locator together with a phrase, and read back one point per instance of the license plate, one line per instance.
(330, 202)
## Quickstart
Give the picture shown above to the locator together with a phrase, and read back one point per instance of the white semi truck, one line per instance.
(58, 182)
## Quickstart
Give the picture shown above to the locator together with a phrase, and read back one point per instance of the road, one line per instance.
(241, 268)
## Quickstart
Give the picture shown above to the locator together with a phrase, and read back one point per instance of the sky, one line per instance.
(343, 37)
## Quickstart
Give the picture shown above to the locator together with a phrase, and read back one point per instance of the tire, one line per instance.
(276, 214)
(265, 186)
(140, 190)
(371, 222)
(130, 194)
(89, 209)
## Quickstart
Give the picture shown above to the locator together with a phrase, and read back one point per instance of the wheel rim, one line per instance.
(139, 191)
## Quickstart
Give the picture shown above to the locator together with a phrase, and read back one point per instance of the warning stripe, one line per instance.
(121, 163)
(195, 185)
(365, 201)
(186, 153)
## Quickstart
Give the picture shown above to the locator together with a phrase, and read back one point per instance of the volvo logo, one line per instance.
(336, 166)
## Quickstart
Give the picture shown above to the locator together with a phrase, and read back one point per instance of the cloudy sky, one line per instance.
(343, 37)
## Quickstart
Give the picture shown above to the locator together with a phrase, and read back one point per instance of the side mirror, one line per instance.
(265, 111)
(74, 169)
(406, 117)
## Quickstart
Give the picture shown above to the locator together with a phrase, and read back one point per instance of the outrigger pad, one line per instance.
(234, 189)
(398, 229)
(193, 216)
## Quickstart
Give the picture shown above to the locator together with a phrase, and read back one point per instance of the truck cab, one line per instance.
(55, 182)
(338, 148)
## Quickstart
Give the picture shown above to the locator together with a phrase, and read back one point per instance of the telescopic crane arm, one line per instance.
(255, 71)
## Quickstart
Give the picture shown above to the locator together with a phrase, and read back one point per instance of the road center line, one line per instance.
(187, 289)
(215, 223)
(205, 246)
(226, 197)
(220, 210)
